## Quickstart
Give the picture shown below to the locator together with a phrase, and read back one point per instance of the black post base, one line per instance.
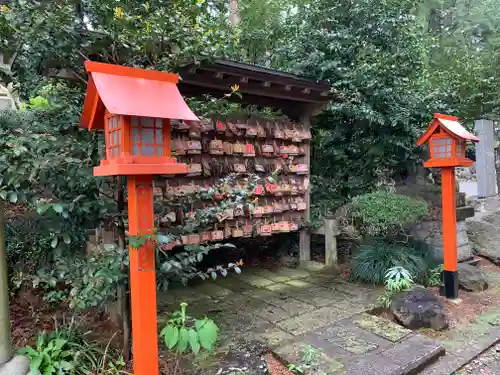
(450, 279)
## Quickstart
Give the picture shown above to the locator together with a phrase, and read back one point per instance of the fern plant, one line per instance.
(397, 279)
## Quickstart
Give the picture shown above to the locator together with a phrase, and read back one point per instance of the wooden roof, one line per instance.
(259, 86)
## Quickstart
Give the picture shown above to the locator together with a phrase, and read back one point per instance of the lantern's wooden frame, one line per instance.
(125, 162)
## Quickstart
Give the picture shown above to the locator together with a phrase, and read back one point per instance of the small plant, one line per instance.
(374, 258)
(51, 355)
(434, 277)
(183, 333)
(309, 359)
(295, 369)
(397, 279)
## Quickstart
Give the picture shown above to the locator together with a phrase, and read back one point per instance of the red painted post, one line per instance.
(450, 276)
(142, 277)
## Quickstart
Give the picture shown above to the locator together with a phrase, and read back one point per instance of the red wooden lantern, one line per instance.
(134, 107)
(447, 139)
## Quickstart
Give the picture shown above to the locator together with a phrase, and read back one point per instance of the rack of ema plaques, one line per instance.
(245, 178)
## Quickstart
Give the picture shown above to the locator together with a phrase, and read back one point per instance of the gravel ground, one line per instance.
(487, 363)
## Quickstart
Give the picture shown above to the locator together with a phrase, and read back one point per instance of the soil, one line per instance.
(275, 366)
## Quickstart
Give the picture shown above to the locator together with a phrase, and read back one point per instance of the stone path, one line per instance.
(291, 310)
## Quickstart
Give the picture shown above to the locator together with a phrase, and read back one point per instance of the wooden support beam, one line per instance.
(331, 228)
(305, 235)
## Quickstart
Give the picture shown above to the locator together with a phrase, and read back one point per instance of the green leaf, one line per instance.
(3, 194)
(194, 341)
(13, 197)
(59, 343)
(208, 334)
(171, 336)
(49, 370)
(36, 363)
(66, 238)
(183, 340)
(54, 242)
(58, 208)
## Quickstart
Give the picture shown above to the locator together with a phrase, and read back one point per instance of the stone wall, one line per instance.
(431, 233)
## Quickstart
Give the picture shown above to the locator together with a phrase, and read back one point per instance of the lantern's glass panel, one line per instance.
(148, 135)
(148, 150)
(147, 121)
(113, 136)
(441, 147)
(159, 137)
(135, 150)
(135, 135)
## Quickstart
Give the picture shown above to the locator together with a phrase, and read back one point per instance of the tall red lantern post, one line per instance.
(446, 139)
(134, 107)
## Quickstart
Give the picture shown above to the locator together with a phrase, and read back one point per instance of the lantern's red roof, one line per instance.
(133, 92)
(450, 125)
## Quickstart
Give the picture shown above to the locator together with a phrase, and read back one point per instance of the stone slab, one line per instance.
(291, 305)
(319, 297)
(299, 284)
(347, 339)
(271, 313)
(270, 275)
(233, 283)
(316, 319)
(372, 364)
(256, 281)
(280, 288)
(19, 365)
(293, 273)
(382, 327)
(414, 353)
(292, 353)
(449, 364)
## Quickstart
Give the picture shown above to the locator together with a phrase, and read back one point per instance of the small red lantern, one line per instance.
(446, 139)
(134, 108)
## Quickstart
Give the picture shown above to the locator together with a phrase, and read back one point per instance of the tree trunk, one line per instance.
(234, 13)
(123, 292)
(5, 337)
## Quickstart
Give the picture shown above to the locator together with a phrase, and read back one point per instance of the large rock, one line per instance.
(419, 308)
(484, 234)
(431, 232)
(19, 365)
(471, 278)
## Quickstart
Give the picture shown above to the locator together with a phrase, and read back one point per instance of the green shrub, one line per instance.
(373, 259)
(383, 213)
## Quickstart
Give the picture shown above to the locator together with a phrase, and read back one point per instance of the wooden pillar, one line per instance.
(142, 277)
(449, 232)
(331, 233)
(305, 235)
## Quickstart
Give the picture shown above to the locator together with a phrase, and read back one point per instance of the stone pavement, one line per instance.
(291, 309)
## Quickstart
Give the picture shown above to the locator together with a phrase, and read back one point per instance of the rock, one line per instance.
(419, 308)
(19, 365)
(471, 278)
(484, 234)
